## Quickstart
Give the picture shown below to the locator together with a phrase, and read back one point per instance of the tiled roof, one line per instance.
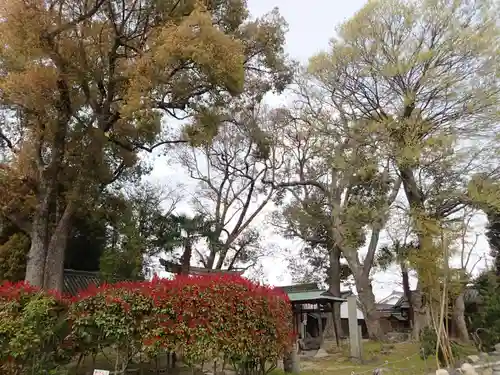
(77, 281)
(314, 295)
(298, 288)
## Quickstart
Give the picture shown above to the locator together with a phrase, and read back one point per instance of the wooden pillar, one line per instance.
(320, 326)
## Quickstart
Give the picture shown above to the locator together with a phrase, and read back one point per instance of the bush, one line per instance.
(205, 318)
(248, 324)
(32, 330)
(112, 316)
(485, 323)
(428, 342)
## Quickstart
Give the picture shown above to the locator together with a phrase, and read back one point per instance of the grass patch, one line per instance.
(401, 358)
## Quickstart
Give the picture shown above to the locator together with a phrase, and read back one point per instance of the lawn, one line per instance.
(402, 358)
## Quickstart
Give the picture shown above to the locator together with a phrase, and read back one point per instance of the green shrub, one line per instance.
(33, 329)
(485, 323)
(428, 342)
(205, 318)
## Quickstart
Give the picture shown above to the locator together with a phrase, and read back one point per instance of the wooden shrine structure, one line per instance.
(309, 300)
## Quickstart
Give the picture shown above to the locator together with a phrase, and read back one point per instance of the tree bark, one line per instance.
(372, 316)
(407, 292)
(54, 259)
(361, 276)
(186, 256)
(35, 265)
(421, 313)
(48, 182)
(459, 318)
(334, 282)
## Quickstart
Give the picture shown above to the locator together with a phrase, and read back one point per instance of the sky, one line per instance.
(311, 25)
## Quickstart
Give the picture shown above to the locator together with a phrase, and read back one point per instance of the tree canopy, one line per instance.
(86, 87)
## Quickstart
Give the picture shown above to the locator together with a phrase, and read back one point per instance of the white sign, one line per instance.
(101, 372)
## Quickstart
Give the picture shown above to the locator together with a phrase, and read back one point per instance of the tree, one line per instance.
(337, 181)
(319, 260)
(400, 254)
(317, 263)
(139, 227)
(84, 87)
(185, 232)
(87, 242)
(231, 192)
(485, 323)
(461, 276)
(493, 235)
(423, 75)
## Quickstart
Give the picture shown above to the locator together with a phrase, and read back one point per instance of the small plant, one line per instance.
(428, 342)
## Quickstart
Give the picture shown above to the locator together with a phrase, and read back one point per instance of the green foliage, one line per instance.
(32, 331)
(204, 317)
(428, 344)
(138, 228)
(493, 235)
(87, 241)
(13, 254)
(111, 317)
(485, 324)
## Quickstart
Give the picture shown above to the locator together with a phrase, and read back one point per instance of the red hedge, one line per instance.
(202, 317)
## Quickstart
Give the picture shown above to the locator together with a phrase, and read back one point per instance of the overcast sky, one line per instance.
(311, 25)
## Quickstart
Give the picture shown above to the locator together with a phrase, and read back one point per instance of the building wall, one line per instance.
(390, 324)
(345, 327)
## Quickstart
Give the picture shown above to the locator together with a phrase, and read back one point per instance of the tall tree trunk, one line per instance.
(407, 292)
(54, 260)
(459, 318)
(214, 249)
(421, 312)
(48, 182)
(361, 274)
(222, 257)
(186, 256)
(35, 265)
(367, 299)
(334, 276)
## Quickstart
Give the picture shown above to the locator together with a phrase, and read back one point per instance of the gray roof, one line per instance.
(298, 288)
(78, 281)
(313, 296)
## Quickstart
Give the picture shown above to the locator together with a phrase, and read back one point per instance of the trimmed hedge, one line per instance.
(204, 318)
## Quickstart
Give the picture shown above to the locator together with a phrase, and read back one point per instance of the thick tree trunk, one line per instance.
(54, 260)
(361, 276)
(421, 313)
(213, 253)
(372, 317)
(459, 318)
(35, 265)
